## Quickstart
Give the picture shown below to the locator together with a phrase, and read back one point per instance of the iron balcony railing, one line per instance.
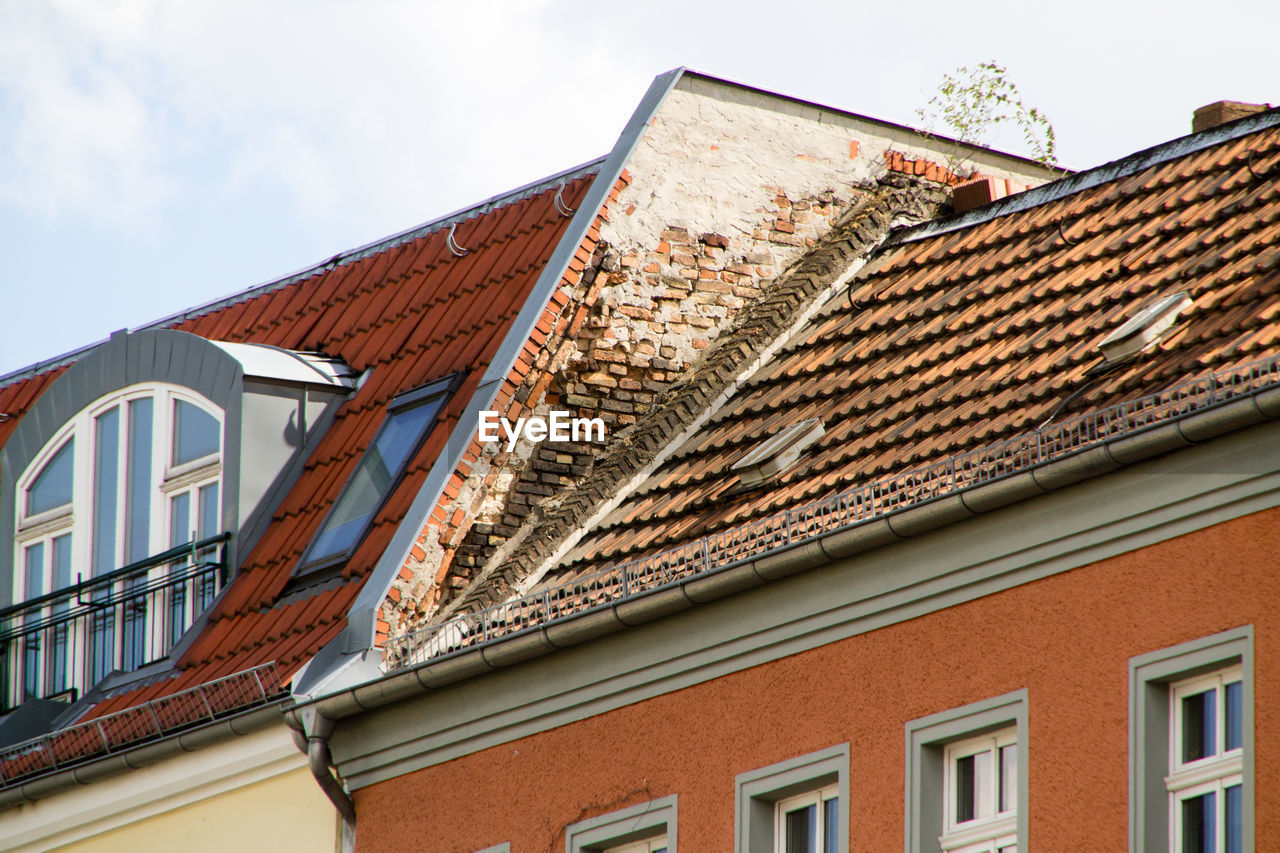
(141, 724)
(843, 509)
(62, 643)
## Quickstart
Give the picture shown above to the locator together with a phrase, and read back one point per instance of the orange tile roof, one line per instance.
(969, 335)
(410, 311)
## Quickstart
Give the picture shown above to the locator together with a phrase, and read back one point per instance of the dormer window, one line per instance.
(131, 476)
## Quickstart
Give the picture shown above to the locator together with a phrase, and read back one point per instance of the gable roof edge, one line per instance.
(359, 634)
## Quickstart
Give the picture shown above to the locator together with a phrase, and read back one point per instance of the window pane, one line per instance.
(106, 476)
(831, 828)
(138, 483)
(1197, 824)
(965, 799)
(34, 571)
(1008, 777)
(373, 478)
(62, 563)
(195, 432)
(180, 519)
(802, 830)
(209, 522)
(1199, 725)
(52, 486)
(1234, 806)
(1234, 693)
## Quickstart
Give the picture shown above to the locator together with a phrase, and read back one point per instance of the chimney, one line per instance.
(1221, 112)
(980, 191)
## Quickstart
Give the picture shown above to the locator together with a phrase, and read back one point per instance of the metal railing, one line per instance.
(64, 642)
(140, 724)
(844, 509)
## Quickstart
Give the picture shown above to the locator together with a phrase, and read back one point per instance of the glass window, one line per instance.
(52, 486)
(966, 775)
(123, 503)
(982, 783)
(196, 433)
(809, 822)
(375, 475)
(1206, 759)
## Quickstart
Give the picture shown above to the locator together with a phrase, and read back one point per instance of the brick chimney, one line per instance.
(980, 191)
(1221, 112)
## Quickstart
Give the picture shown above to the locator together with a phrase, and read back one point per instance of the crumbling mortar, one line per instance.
(756, 326)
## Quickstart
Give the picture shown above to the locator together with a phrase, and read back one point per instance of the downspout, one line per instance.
(313, 740)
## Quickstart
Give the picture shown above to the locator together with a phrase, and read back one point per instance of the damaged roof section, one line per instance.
(966, 352)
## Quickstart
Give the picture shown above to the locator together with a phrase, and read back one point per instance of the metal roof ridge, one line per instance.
(1130, 164)
(372, 248)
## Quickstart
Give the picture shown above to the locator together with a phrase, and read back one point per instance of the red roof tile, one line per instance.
(413, 313)
(976, 334)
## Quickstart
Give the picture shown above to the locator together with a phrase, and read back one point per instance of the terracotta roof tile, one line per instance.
(969, 336)
(413, 312)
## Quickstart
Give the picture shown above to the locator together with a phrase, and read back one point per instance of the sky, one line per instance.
(159, 154)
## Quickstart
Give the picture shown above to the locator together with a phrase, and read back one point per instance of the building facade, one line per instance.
(978, 555)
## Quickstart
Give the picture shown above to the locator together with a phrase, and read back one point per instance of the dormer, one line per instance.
(129, 488)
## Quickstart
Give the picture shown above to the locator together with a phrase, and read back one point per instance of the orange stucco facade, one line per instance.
(1067, 639)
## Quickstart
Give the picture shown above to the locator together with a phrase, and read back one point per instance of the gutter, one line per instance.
(144, 755)
(783, 562)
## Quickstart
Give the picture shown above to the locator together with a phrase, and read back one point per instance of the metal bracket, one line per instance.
(453, 244)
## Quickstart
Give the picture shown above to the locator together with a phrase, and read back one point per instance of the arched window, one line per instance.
(132, 476)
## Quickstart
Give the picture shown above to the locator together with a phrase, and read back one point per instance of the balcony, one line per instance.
(59, 645)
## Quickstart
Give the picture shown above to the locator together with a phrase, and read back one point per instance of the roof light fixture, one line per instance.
(778, 453)
(1144, 328)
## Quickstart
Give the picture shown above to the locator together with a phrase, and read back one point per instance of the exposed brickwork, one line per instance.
(492, 486)
(760, 322)
(625, 323)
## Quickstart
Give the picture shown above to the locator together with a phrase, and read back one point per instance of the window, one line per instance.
(796, 806)
(808, 823)
(645, 828)
(967, 778)
(1191, 746)
(980, 793)
(130, 476)
(409, 418)
(1205, 781)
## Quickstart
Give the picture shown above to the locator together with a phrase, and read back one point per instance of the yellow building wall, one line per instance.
(288, 812)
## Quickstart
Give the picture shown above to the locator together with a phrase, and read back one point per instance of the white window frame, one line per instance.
(760, 793)
(167, 482)
(932, 745)
(980, 834)
(782, 808)
(1156, 680)
(1212, 774)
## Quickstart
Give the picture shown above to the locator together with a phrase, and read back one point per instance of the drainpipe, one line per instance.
(313, 739)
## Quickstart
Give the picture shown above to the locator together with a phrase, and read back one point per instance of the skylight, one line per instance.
(778, 453)
(409, 419)
(1145, 328)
